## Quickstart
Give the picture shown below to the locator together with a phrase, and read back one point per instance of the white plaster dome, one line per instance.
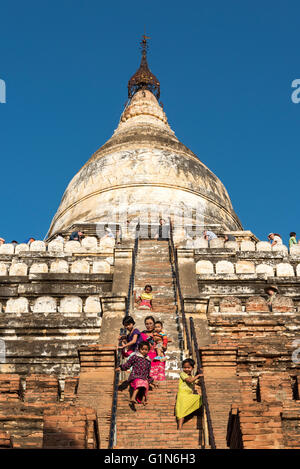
(143, 170)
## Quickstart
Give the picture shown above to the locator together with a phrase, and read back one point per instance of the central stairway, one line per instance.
(153, 267)
(155, 426)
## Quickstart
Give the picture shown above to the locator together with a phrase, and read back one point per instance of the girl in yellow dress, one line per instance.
(187, 402)
(145, 299)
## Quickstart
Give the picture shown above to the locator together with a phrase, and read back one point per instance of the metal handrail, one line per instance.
(131, 279)
(113, 420)
(185, 327)
(119, 356)
(191, 338)
(202, 385)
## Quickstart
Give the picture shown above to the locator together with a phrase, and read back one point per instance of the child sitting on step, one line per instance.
(187, 401)
(161, 341)
(145, 299)
(133, 338)
(139, 377)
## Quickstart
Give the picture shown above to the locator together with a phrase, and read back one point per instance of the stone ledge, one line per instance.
(14, 279)
(249, 314)
(52, 320)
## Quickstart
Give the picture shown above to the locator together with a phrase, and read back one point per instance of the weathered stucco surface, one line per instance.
(144, 169)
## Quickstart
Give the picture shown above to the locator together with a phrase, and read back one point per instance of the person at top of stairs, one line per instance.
(132, 339)
(145, 299)
(163, 231)
(187, 402)
(140, 375)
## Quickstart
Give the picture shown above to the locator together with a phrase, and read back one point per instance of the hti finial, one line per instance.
(143, 79)
(144, 44)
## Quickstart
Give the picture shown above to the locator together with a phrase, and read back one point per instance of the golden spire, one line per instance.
(143, 79)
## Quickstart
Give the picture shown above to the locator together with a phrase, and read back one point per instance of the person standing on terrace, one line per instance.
(275, 239)
(209, 235)
(292, 239)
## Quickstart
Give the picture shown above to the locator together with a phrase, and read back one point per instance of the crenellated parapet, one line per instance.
(245, 268)
(89, 244)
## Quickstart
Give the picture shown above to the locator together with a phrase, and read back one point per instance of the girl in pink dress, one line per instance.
(139, 377)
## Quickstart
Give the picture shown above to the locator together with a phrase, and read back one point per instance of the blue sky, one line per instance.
(225, 70)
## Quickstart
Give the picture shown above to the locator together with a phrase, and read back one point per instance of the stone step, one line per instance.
(150, 279)
(157, 312)
(158, 247)
(164, 249)
(157, 270)
(158, 256)
(154, 247)
(168, 319)
(170, 298)
(162, 273)
(149, 241)
(167, 425)
(148, 259)
(159, 304)
(140, 283)
(158, 282)
(154, 264)
(155, 267)
(162, 297)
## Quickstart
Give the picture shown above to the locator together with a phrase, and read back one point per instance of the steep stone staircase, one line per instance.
(153, 267)
(154, 426)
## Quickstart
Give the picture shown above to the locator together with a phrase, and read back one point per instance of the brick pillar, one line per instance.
(9, 387)
(5, 440)
(187, 272)
(70, 390)
(122, 271)
(96, 383)
(222, 387)
(67, 427)
(113, 313)
(257, 422)
(41, 388)
(194, 306)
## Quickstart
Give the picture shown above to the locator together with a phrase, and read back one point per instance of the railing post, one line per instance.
(186, 335)
(113, 423)
(112, 435)
(129, 304)
(205, 429)
(189, 337)
(202, 384)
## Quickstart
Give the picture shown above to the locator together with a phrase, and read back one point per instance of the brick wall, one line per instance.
(268, 418)
(35, 418)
